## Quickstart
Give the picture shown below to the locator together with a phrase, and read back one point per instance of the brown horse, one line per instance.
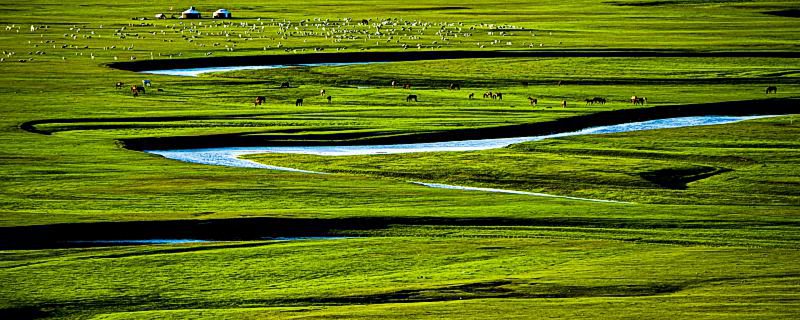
(136, 90)
(260, 100)
(407, 86)
(772, 89)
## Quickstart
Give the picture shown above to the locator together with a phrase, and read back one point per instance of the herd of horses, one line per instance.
(136, 90)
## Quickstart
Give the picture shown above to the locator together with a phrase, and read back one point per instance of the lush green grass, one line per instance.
(724, 247)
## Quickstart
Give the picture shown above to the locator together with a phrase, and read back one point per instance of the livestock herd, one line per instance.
(137, 90)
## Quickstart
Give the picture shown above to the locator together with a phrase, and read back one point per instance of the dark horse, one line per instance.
(298, 103)
(533, 101)
(772, 89)
(455, 86)
(136, 90)
(599, 100)
(260, 100)
(285, 85)
(411, 97)
(120, 85)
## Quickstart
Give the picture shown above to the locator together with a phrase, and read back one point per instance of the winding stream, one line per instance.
(194, 72)
(230, 156)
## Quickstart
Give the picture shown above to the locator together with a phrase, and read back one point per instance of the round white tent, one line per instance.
(190, 13)
(222, 14)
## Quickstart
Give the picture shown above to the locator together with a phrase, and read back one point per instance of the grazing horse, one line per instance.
(455, 86)
(638, 100)
(120, 85)
(394, 83)
(772, 89)
(533, 101)
(260, 100)
(563, 103)
(136, 90)
(285, 84)
(471, 96)
(487, 95)
(407, 86)
(498, 96)
(298, 103)
(599, 100)
(589, 101)
(322, 92)
(329, 99)
(146, 83)
(411, 97)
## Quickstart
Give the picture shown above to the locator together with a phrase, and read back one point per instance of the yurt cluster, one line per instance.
(192, 13)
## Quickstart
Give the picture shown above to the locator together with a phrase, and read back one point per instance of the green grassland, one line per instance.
(710, 230)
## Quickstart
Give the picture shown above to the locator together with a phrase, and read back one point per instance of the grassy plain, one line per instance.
(689, 246)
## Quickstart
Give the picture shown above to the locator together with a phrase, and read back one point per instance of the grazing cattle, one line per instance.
(285, 85)
(407, 86)
(471, 96)
(120, 85)
(455, 86)
(533, 101)
(411, 97)
(322, 92)
(329, 99)
(146, 83)
(563, 103)
(772, 89)
(298, 103)
(260, 100)
(599, 100)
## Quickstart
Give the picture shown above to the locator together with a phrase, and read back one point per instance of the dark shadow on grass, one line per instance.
(678, 179)
(259, 229)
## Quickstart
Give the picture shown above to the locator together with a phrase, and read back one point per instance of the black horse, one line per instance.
(285, 85)
(260, 100)
(772, 89)
(298, 103)
(411, 97)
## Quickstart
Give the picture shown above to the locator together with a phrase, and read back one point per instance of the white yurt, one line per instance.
(222, 14)
(190, 13)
